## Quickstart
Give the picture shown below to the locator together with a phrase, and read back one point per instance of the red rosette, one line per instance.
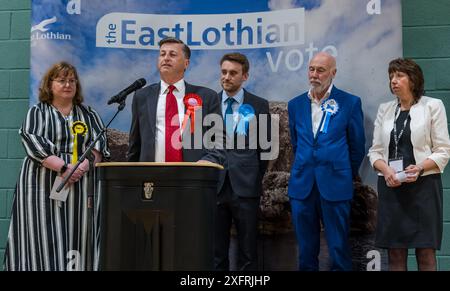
(192, 102)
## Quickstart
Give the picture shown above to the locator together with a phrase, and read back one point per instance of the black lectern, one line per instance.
(157, 216)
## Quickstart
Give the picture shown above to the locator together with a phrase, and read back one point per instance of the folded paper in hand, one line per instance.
(401, 176)
(62, 195)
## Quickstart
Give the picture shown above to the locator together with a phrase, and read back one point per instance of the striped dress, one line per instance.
(45, 234)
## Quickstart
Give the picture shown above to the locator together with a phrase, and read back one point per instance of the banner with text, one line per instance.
(115, 42)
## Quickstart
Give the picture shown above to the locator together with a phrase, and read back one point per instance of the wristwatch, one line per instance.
(421, 170)
(63, 168)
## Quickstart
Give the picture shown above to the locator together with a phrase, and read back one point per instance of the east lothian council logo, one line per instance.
(42, 31)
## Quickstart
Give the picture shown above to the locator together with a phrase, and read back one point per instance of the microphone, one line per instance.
(119, 98)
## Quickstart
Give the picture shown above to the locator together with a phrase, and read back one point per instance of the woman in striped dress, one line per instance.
(46, 234)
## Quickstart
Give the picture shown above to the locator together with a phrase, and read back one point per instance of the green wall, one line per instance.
(426, 38)
(14, 84)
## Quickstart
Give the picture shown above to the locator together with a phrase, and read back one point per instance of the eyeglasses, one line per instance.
(63, 82)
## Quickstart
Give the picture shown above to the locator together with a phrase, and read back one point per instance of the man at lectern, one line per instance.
(240, 185)
(167, 116)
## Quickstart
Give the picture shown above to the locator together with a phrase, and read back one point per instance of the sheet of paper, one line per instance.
(62, 195)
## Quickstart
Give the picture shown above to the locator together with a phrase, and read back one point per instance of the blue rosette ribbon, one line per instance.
(330, 107)
(246, 113)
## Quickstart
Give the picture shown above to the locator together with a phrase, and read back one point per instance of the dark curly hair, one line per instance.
(414, 72)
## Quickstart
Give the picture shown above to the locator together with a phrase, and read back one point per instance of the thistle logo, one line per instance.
(42, 26)
(41, 31)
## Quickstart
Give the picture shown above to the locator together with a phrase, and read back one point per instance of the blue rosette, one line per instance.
(330, 107)
(246, 113)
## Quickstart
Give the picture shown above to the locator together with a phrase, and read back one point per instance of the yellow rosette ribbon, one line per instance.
(79, 130)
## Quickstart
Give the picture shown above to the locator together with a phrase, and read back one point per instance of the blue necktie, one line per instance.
(228, 119)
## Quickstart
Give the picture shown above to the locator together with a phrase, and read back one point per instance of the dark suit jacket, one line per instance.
(331, 159)
(244, 166)
(143, 126)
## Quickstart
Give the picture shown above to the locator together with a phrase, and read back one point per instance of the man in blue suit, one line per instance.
(327, 134)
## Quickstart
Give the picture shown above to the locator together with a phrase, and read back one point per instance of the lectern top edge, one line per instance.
(159, 164)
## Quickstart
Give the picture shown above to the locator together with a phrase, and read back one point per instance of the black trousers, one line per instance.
(244, 213)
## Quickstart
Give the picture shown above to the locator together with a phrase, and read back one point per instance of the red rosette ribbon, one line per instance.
(192, 102)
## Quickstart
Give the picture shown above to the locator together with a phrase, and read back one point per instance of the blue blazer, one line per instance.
(331, 159)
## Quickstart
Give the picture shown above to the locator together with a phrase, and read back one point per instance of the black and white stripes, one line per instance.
(42, 235)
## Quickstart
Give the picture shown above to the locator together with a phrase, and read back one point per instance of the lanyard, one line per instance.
(397, 137)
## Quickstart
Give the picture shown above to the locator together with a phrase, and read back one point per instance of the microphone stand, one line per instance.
(90, 197)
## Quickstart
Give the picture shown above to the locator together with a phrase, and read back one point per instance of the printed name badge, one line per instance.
(396, 164)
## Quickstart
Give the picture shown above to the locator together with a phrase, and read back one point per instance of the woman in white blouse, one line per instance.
(410, 150)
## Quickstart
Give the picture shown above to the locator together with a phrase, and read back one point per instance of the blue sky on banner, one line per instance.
(364, 44)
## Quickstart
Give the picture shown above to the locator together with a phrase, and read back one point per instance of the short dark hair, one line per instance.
(186, 49)
(45, 89)
(238, 58)
(414, 72)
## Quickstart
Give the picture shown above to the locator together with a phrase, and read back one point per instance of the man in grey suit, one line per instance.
(154, 135)
(240, 185)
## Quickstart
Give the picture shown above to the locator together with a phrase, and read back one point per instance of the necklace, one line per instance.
(66, 112)
(68, 117)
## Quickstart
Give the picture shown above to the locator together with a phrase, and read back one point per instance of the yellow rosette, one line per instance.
(79, 129)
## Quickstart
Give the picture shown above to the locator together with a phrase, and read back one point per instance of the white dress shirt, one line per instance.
(316, 110)
(160, 139)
